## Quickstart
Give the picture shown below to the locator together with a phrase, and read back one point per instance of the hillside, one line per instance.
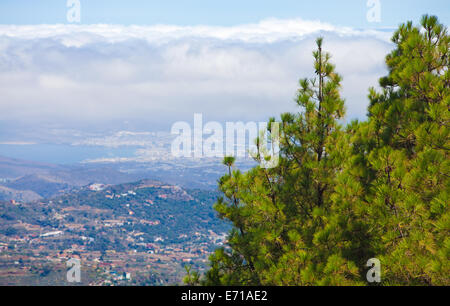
(138, 227)
(18, 195)
(44, 186)
(26, 179)
(22, 180)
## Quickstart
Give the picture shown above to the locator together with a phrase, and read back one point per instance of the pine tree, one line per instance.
(339, 197)
(310, 150)
(281, 215)
(409, 125)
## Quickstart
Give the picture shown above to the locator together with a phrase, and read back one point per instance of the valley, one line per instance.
(139, 233)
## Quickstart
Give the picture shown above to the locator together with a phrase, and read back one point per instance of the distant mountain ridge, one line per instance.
(7, 194)
(27, 181)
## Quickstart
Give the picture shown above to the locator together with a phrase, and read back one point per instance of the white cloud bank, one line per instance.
(112, 77)
(266, 31)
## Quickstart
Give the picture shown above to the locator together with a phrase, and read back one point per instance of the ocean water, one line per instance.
(63, 153)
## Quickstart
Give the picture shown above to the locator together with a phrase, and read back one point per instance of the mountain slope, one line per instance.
(49, 180)
(149, 228)
(7, 194)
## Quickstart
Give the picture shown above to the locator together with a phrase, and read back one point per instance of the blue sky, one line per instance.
(231, 12)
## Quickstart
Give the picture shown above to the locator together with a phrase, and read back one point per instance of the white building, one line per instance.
(52, 234)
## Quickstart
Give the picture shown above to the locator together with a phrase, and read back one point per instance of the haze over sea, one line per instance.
(64, 153)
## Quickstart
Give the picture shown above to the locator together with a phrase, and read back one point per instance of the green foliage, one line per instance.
(409, 123)
(341, 196)
(191, 278)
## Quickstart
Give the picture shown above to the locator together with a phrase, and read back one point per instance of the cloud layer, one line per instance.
(266, 31)
(105, 78)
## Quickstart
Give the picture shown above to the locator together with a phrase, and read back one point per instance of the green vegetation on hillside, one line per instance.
(148, 229)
